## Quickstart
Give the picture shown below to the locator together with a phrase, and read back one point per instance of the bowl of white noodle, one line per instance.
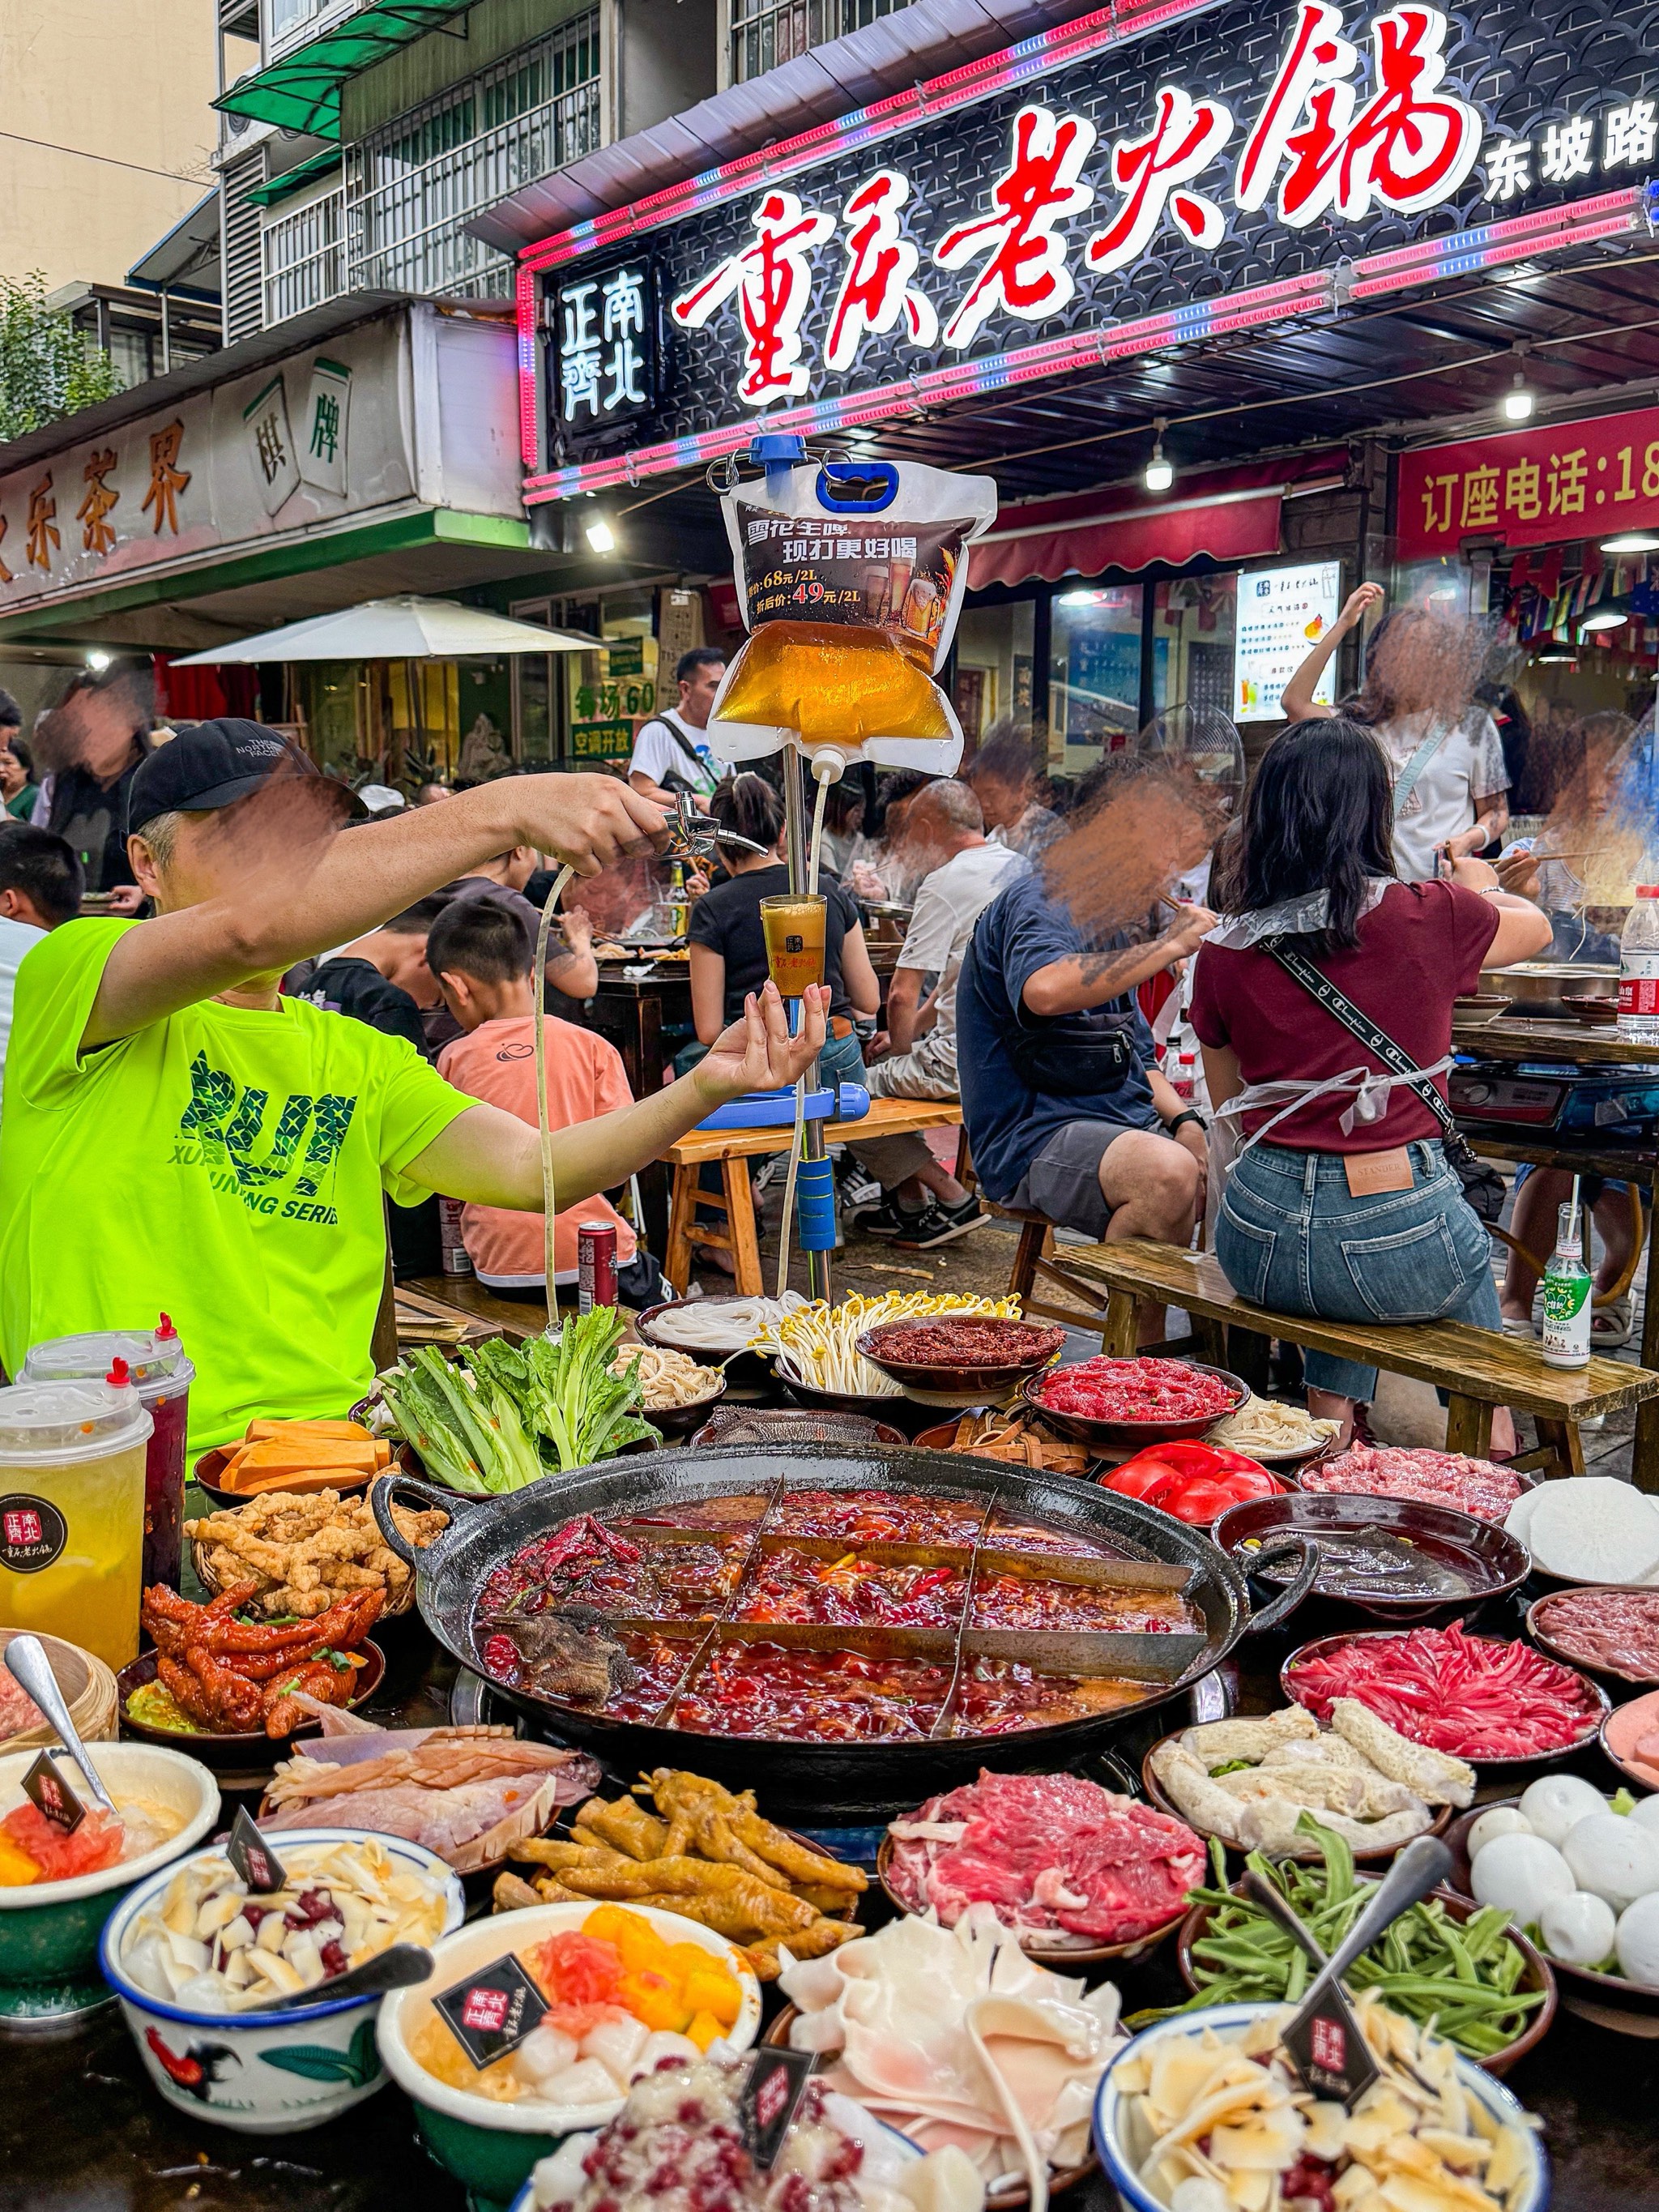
(715, 1331)
(678, 1392)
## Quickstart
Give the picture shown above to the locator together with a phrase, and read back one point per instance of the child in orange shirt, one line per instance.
(482, 956)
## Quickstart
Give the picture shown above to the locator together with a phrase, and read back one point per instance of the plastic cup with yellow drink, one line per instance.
(72, 1512)
(793, 924)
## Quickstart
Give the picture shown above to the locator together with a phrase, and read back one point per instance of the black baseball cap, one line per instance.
(208, 766)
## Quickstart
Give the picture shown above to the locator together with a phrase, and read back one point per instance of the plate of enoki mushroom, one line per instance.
(684, 1845)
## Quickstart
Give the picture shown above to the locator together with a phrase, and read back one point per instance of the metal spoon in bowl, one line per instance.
(398, 1967)
(26, 1655)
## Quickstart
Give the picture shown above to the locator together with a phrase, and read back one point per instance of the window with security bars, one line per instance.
(765, 32)
(411, 185)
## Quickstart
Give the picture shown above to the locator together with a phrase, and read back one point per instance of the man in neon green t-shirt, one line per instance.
(176, 1136)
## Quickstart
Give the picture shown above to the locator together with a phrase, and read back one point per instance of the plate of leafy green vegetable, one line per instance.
(497, 1416)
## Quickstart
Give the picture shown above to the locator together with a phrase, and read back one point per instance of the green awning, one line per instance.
(294, 179)
(301, 92)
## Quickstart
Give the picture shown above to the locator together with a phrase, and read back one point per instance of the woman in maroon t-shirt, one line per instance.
(1341, 1203)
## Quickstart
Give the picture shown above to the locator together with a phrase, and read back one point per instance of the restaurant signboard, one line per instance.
(1163, 172)
(1542, 486)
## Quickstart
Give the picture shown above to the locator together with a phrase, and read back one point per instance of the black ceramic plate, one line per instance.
(1488, 1562)
(232, 1754)
(1324, 1643)
(1088, 1431)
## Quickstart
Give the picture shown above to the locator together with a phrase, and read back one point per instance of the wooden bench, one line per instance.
(730, 1148)
(1478, 1369)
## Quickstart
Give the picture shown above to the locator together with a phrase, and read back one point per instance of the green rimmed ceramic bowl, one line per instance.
(50, 1931)
(492, 2148)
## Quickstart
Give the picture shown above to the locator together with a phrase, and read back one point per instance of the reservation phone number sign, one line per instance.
(1534, 487)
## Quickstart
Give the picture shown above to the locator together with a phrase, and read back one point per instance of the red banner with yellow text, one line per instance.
(1535, 487)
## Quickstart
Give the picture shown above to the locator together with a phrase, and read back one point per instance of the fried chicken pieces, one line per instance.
(235, 1677)
(705, 1854)
(305, 1554)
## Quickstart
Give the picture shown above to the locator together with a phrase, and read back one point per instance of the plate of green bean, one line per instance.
(1488, 1989)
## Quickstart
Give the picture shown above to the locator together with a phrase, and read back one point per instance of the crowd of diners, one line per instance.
(241, 1007)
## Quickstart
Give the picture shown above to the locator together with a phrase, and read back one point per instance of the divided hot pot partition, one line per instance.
(813, 1776)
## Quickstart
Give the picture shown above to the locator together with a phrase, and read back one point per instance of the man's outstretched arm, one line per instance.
(490, 1158)
(297, 887)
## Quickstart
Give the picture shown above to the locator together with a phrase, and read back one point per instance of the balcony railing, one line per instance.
(404, 222)
(766, 32)
(302, 258)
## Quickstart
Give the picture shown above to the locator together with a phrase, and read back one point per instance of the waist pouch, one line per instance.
(1070, 1056)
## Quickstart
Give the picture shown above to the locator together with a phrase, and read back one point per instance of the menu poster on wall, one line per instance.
(1281, 612)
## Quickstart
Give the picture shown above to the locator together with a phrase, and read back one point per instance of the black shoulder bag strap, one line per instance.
(1483, 1186)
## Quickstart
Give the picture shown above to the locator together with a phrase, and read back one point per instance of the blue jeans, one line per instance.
(1293, 1237)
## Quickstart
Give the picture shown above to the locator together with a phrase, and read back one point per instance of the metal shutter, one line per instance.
(244, 306)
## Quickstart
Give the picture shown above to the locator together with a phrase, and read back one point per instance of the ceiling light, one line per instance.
(600, 536)
(1518, 401)
(1633, 541)
(1559, 653)
(1604, 618)
(1160, 473)
(1080, 598)
(98, 660)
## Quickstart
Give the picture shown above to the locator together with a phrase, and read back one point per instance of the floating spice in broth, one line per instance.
(1370, 1562)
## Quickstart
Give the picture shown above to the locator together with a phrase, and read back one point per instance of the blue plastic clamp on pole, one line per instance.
(815, 1206)
(777, 452)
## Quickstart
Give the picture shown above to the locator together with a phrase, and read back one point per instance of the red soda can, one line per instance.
(596, 1265)
(454, 1260)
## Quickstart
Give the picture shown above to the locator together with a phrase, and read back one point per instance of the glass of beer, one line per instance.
(793, 925)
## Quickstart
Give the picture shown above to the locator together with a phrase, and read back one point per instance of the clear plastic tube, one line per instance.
(813, 853)
(539, 988)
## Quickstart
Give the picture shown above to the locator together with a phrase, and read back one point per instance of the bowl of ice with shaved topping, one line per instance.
(1205, 2112)
(66, 1863)
(224, 1979)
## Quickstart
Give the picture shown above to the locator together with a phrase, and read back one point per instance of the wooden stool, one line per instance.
(731, 1148)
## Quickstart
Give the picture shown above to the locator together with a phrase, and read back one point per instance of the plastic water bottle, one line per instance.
(1183, 1080)
(1567, 1298)
(1639, 970)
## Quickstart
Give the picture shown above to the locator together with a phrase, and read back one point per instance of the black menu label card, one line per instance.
(769, 2099)
(491, 2012)
(252, 1856)
(1329, 2051)
(51, 1796)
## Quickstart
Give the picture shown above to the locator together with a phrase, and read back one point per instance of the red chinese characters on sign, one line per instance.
(773, 282)
(880, 262)
(1537, 487)
(1024, 271)
(1406, 148)
(1149, 172)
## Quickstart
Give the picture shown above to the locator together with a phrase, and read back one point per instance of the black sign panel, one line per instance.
(491, 2012)
(603, 359)
(51, 1796)
(1240, 146)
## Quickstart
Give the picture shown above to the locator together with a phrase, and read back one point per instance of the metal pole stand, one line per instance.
(816, 1179)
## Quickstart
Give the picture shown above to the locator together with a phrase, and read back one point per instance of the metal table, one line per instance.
(1575, 1044)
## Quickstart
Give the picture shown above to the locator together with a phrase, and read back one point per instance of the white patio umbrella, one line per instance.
(407, 628)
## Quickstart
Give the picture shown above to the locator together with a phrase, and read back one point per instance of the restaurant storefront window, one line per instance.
(1094, 673)
(995, 666)
(582, 709)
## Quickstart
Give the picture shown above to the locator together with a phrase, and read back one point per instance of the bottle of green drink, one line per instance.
(1567, 1298)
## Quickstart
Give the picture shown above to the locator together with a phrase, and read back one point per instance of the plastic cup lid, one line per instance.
(57, 1424)
(155, 1359)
